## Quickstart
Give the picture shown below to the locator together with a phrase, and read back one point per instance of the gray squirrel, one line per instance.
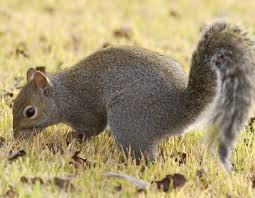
(144, 96)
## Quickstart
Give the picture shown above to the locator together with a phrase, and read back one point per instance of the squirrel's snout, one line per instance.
(20, 133)
(16, 132)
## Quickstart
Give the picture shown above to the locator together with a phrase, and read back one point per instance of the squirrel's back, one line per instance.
(126, 58)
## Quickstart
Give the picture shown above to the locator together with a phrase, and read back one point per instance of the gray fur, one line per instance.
(144, 96)
(224, 52)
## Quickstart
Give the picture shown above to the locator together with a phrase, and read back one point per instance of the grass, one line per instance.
(57, 34)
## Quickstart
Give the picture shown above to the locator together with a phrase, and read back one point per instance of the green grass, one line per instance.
(57, 34)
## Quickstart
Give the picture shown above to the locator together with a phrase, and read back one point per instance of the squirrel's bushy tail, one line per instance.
(229, 51)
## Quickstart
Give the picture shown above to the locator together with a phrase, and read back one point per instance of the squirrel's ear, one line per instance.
(30, 74)
(41, 81)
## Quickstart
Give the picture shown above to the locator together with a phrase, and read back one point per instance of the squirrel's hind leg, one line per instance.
(146, 151)
(224, 151)
(132, 139)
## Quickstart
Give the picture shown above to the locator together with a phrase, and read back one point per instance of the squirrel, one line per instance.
(143, 96)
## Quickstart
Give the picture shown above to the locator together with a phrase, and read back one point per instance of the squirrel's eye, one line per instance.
(30, 112)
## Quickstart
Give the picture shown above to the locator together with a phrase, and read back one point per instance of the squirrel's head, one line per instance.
(34, 108)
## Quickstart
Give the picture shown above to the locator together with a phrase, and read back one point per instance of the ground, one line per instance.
(58, 33)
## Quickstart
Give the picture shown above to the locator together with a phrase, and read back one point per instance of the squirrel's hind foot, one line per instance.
(227, 166)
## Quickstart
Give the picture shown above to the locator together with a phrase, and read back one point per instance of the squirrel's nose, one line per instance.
(16, 131)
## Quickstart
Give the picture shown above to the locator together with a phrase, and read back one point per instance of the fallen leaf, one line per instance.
(253, 181)
(118, 188)
(123, 32)
(177, 180)
(140, 184)
(31, 180)
(8, 94)
(180, 158)
(63, 183)
(79, 161)
(16, 154)
(140, 190)
(164, 183)
(76, 157)
(10, 193)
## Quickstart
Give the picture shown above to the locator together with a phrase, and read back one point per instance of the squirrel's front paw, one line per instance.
(74, 136)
